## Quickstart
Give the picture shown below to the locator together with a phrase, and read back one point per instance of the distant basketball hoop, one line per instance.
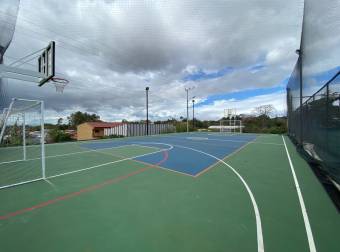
(59, 83)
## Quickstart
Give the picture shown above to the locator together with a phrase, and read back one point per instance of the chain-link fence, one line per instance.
(315, 125)
(313, 90)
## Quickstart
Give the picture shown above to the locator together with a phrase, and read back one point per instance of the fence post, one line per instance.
(301, 97)
(327, 115)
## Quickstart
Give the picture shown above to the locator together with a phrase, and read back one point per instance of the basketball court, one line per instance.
(184, 192)
(218, 190)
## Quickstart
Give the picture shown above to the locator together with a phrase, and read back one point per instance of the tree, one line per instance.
(60, 121)
(79, 117)
(265, 110)
(56, 135)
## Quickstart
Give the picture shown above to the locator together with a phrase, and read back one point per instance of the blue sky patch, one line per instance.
(324, 77)
(242, 95)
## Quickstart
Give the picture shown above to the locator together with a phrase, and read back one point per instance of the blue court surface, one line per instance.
(190, 153)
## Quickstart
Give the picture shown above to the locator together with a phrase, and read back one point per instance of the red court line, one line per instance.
(84, 190)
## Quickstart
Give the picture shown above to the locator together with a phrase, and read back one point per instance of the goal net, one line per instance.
(22, 138)
(231, 126)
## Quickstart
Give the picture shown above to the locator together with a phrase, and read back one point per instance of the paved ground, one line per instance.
(176, 192)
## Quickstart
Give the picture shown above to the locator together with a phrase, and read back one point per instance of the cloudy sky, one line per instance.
(234, 53)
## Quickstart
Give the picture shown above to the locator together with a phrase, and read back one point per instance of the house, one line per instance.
(94, 130)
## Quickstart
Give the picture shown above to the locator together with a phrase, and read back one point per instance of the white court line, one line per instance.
(308, 228)
(63, 155)
(221, 134)
(88, 168)
(144, 146)
(46, 144)
(224, 158)
(260, 244)
(113, 162)
(226, 140)
(21, 183)
(253, 142)
(51, 184)
(197, 138)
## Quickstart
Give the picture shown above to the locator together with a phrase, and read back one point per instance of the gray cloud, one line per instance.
(110, 50)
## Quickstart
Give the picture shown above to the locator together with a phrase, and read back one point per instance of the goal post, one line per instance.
(22, 143)
(231, 122)
(231, 126)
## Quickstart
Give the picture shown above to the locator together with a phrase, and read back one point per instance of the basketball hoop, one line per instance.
(59, 84)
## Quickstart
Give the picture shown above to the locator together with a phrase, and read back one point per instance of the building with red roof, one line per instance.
(94, 130)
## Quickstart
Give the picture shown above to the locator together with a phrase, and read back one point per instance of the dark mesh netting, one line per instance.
(313, 91)
(8, 16)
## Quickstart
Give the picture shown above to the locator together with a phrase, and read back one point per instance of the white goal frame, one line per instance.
(7, 113)
(231, 126)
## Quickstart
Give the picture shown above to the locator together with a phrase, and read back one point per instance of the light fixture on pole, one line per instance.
(187, 90)
(147, 110)
(193, 112)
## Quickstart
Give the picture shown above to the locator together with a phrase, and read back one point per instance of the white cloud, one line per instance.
(216, 109)
(110, 50)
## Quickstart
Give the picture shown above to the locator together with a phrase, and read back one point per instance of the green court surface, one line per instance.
(107, 197)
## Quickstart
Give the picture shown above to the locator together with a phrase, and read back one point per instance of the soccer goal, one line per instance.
(22, 143)
(231, 126)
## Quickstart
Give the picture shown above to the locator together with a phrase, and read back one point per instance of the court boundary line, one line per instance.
(158, 166)
(144, 146)
(260, 244)
(165, 169)
(205, 169)
(146, 163)
(63, 155)
(84, 169)
(308, 228)
(241, 141)
(107, 140)
(108, 163)
(227, 140)
(82, 191)
(123, 156)
(225, 157)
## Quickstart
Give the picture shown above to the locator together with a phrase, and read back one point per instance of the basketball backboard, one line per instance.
(45, 70)
(46, 63)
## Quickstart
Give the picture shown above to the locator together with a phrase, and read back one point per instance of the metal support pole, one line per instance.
(230, 128)
(327, 116)
(5, 120)
(301, 97)
(193, 114)
(24, 135)
(42, 139)
(147, 110)
(187, 90)
(187, 109)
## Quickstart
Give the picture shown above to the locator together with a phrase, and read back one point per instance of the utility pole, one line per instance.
(147, 110)
(193, 112)
(187, 90)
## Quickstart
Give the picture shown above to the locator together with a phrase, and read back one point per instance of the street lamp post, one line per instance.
(187, 90)
(193, 112)
(147, 110)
